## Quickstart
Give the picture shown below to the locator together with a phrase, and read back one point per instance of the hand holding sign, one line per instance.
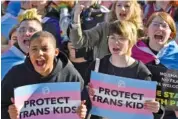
(91, 90)
(152, 105)
(82, 110)
(49, 100)
(12, 110)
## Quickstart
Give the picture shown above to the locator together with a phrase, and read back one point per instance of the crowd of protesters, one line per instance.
(59, 41)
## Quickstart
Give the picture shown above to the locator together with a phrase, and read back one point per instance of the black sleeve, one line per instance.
(143, 72)
(72, 75)
(160, 113)
(7, 92)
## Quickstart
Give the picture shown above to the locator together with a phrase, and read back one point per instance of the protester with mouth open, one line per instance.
(44, 64)
(97, 37)
(161, 32)
(160, 48)
(121, 39)
(30, 23)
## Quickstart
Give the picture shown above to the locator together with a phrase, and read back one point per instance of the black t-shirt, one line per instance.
(155, 52)
(137, 70)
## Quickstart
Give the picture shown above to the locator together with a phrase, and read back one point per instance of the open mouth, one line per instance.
(158, 37)
(122, 14)
(40, 62)
(26, 42)
(116, 49)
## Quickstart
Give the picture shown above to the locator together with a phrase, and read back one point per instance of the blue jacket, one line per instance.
(9, 59)
(9, 20)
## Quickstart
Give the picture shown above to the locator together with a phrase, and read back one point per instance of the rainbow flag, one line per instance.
(121, 98)
(48, 100)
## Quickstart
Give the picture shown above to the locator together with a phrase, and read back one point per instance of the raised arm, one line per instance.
(86, 38)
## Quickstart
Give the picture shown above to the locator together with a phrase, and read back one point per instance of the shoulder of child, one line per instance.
(143, 71)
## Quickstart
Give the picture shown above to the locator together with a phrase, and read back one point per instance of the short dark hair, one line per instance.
(44, 34)
(12, 31)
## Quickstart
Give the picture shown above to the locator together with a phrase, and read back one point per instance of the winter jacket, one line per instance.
(93, 38)
(24, 74)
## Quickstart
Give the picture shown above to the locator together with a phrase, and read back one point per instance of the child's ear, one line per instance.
(171, 35)
(57, 52)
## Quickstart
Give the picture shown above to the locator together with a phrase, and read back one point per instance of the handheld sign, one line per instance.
(118, 97)
(167, 89)
(48, 100)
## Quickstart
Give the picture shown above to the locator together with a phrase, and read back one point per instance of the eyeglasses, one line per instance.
(117, 39)
(163, 25)
(24, 30)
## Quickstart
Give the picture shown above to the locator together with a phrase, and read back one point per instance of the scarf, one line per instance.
(168, 55)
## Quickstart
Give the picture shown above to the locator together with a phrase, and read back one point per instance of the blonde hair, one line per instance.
(136, 14)
(127, 30)
(30, 14)
(167, 18)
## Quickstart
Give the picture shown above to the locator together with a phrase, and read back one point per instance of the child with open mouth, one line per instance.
(44, 64)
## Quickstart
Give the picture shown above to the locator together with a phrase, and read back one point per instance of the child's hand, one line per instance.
(91, 90)
(12, 110)
(82, 110)
(152, 105)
